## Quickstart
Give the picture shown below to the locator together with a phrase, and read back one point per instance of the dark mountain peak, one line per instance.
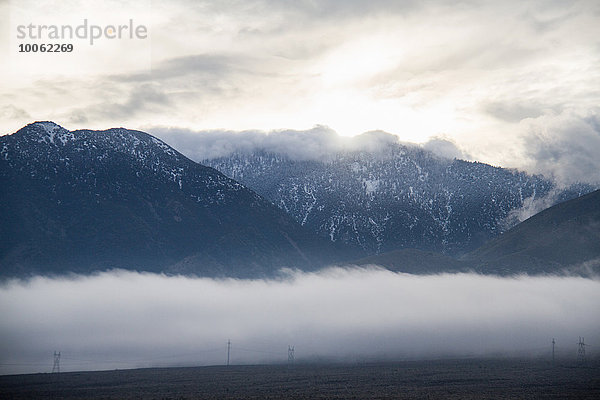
(44, 143)
(44, 132)
(87, 200)
(50, 133)
(48, 126)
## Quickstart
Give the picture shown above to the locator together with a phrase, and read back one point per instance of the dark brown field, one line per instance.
(446, 379)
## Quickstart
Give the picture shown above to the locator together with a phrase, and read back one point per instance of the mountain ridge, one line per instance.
(397, 197)
(87, 200)
(565, 237)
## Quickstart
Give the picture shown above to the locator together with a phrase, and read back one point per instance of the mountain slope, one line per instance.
(413, 261)
(396, 197)
(565, 236)
(88, 200)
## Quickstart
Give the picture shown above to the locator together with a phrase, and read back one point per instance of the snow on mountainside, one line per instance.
(90, 200)
(397, 197)
(32, 149)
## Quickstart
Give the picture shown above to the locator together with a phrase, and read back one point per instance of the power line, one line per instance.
(159, 357)
(257, 351)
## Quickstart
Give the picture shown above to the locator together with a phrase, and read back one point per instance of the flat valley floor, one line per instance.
(443, 379)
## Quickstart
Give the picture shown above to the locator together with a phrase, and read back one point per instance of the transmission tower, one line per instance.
(56, 366)
(228, 351)
(290, 355)
(581, 350)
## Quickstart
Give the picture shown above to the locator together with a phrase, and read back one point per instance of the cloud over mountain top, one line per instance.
(564, 146)
(317, 143)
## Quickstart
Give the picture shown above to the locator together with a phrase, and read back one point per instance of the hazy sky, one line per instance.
(125, 319)
(513, 83)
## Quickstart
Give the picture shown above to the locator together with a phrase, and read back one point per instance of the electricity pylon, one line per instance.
(581, 350)
(56, 366)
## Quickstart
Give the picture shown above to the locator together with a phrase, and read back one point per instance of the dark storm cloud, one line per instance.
(125, 319)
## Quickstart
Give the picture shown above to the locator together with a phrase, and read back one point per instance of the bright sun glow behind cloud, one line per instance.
(357, 60)
(346, 99)
(487, 76)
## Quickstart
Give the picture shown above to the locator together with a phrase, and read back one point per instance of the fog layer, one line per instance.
(124, 319)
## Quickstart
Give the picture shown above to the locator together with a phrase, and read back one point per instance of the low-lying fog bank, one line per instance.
(124, 319)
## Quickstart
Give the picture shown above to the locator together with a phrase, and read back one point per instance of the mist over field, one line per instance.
(124, 319)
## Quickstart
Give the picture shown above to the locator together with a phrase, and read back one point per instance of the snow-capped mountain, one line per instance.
(397, 197)
(88, 200)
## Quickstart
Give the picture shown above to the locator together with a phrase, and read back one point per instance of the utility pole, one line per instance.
(290, 355)
(553, 351)
(228, 351)
(56, 366)
(581, 351)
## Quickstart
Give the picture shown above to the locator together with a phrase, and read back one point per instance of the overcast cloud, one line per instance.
(510, 83)
(125, 319)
